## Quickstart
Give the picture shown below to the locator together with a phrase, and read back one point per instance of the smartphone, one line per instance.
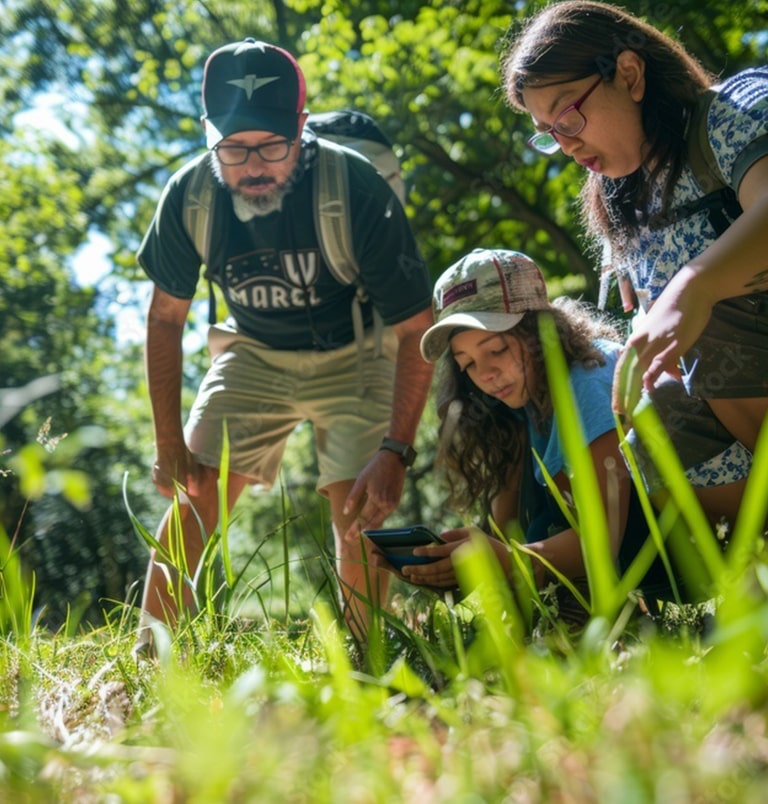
(397, 544)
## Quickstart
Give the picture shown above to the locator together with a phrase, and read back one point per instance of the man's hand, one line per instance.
(376, 492)
(663, 336)
(175, 466)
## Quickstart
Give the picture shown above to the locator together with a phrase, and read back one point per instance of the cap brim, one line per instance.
(435, 340)
(285, 124)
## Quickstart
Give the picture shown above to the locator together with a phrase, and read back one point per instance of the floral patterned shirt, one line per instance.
(737, 124)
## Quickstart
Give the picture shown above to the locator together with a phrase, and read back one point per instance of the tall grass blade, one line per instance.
(349, 707)
(143, 534)
(224, 507)
(750, 523)
(17, 594)
(500, 628)
(593, 525)
(568, 512)
(649, 427)
(210, 594)
(523, 582)
(557, 495)
(654, 545)
(286, 554)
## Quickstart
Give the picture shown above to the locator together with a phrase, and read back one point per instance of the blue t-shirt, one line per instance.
(591, 387)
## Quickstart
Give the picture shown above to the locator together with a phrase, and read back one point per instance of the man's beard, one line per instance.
(249, 206)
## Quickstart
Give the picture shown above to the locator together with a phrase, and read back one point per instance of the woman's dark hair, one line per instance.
(482, 441)
(576, 38)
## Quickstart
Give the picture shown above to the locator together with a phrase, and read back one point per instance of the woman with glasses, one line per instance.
(621, 99)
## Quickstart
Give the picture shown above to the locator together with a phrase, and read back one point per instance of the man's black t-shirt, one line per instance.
(270, 268)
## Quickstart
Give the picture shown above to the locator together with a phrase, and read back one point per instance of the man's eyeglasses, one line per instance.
(231, 155)
(569, 123)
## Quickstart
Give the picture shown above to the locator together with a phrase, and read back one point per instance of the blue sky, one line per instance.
(90, 264)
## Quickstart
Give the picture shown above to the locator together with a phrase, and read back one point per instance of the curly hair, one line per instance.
(570, 40)
(482, 441)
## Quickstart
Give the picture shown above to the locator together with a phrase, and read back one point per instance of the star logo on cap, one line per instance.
(250, 83)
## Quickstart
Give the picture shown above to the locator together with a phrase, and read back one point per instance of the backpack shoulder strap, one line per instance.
(332, 212)
(333, 223)
(197, 211)
(700, 157)
(718, 199)
(197, 215)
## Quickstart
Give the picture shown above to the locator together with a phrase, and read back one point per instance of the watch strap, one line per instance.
(402, 448)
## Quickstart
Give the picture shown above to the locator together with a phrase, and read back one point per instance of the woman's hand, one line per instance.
(669, 329)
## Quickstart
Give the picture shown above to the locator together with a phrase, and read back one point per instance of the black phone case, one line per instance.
(397, 544)
(414, 536)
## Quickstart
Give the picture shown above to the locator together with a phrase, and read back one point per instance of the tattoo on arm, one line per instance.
(759, 281)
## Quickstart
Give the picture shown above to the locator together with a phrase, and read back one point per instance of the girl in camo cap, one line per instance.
(495, 407)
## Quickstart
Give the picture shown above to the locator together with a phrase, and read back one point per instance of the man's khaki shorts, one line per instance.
(262, 394)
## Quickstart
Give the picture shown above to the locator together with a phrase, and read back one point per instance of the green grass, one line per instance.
(486, 697)
(465, 709)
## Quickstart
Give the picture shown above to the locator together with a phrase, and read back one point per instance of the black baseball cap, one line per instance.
(252, 86)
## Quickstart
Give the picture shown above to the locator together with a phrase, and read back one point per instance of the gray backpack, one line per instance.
(337, 131)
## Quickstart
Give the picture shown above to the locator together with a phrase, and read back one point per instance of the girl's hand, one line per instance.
(441, 573)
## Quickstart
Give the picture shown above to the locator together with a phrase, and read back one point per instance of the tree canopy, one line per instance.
(130, 76)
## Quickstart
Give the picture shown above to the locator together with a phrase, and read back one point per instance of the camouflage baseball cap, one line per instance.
(489, 289)
(252, 86)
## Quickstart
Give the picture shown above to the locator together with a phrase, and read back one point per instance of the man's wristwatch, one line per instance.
(406, 452)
